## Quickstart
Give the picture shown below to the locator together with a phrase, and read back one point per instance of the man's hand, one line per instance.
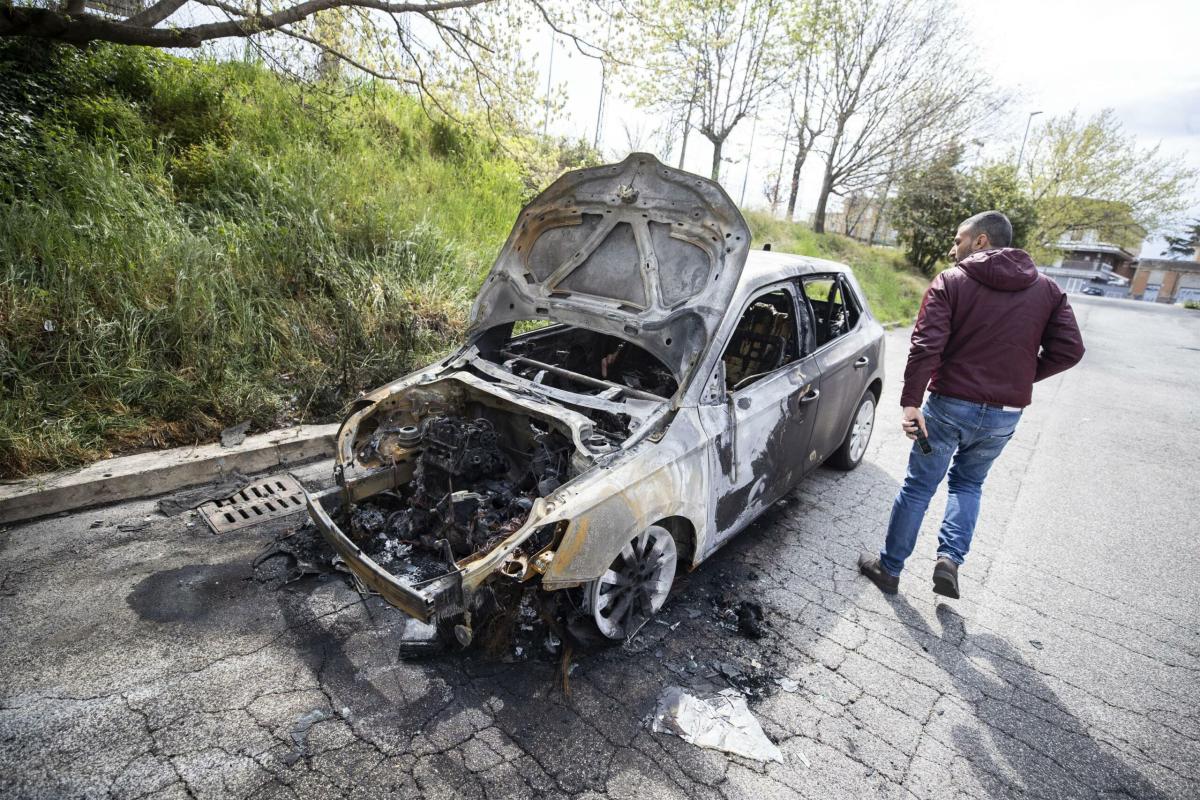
(913, 420)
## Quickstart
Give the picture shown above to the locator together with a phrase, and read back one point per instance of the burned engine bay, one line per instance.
(472, 486)
(440, 471)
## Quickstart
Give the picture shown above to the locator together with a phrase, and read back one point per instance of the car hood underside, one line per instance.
(638, 250)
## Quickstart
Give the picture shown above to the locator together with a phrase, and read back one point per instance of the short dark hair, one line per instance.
(994, 224)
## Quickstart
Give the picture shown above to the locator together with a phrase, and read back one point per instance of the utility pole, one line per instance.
(1021, 154)
(749, 158)
(600, 106)
(787, 135)
(687, 124)
(549, 77)
(603, 81)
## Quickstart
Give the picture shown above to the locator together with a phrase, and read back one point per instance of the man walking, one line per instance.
(989, 327)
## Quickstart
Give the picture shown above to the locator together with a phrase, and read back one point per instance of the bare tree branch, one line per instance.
(152, 15)
(81, 28)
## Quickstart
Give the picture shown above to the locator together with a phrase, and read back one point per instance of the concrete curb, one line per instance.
(147, 474)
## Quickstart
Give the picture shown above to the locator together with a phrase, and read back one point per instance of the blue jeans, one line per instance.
(967, 435)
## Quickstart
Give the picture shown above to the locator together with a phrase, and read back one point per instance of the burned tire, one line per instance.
(849, 455)
(636, 584)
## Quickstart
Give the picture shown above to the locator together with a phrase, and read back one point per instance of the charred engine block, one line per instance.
(466, 491)
(456, 448)
(460, 493)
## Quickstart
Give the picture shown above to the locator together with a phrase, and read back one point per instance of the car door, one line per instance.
(763, 425)
(843, 356)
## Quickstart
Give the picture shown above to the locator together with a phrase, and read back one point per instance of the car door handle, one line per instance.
(808, 398)
(862, 362)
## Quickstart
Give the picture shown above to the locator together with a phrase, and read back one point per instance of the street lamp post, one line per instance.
(749, 156)
(1025, 138)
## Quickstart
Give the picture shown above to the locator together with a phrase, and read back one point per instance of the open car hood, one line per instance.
(638, 250)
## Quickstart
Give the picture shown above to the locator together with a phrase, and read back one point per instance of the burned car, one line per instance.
(636, 386)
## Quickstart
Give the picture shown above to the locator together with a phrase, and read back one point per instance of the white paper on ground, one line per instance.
(721, 722)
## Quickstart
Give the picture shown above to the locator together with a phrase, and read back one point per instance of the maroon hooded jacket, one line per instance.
(989, 327)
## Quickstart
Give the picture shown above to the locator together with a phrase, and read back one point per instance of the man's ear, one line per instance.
(982, 242)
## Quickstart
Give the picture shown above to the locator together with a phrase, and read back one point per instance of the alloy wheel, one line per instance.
(864, 422)
(636, 584)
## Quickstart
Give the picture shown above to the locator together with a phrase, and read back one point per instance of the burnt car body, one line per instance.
(681, 384)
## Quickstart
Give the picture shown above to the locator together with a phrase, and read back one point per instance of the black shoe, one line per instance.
(870, 566)
(945, 578)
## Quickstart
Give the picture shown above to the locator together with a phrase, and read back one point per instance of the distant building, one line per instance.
(1071, 279)
(1087, 263)
(1094, 256)
(1165, 280)
(862, 218)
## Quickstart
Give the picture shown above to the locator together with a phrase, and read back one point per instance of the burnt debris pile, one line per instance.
(469, 491)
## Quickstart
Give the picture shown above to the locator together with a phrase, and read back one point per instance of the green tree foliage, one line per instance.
(932, 200)
(1089, 174)
(1185, 243)
(712, 62)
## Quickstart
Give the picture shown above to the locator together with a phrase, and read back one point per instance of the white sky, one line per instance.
(1140, 58)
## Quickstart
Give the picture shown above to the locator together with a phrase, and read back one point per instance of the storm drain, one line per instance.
(269, 498)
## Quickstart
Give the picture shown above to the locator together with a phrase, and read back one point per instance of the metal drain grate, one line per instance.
(269, 498)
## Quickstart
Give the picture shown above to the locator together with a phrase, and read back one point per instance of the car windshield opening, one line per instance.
(585, 362)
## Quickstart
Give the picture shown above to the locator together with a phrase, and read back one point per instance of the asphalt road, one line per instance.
(149, 663)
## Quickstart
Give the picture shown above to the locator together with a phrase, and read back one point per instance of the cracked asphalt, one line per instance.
(149, 663)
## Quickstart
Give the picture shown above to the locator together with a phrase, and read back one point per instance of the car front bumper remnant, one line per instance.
(440, 598)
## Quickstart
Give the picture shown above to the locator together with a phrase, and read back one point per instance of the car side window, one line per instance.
(765, 339)
(834, 308)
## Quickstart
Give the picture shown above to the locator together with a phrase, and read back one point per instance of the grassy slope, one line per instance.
(893, 289)
(185, 245)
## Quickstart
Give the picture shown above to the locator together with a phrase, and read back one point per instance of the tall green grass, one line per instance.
(893, 288)
(184, 245)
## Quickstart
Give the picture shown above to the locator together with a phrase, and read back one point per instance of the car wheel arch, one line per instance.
(568, 567)
(875, 387)
(683, 531)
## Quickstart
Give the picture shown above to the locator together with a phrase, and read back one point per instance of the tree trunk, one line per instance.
(329, 66)
(716, 162)
(883, 197)
(852, 228)
(801, 157)
(879, 209)
(823, 201)
(687, 128)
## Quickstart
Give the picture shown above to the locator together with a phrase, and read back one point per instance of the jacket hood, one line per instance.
(1006, 269)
